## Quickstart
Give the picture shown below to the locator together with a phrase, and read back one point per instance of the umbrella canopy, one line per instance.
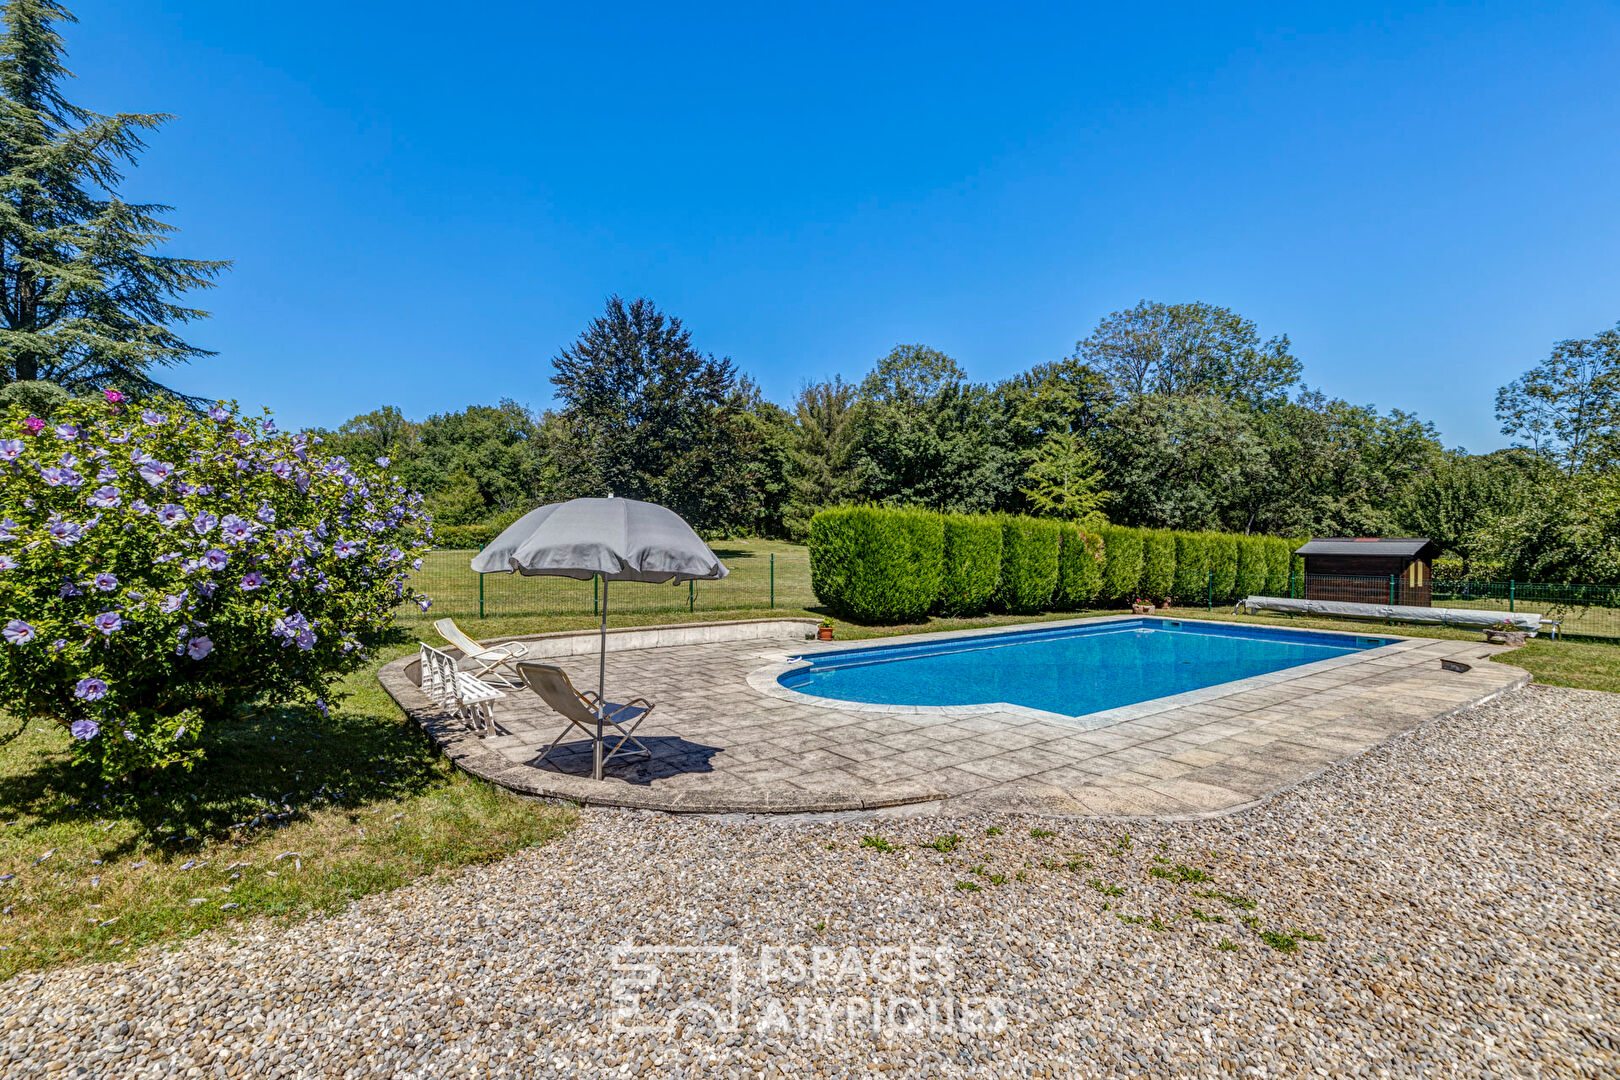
(613, 539)
(616, 539)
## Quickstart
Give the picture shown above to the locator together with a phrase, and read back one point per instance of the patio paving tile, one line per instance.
(719, 743)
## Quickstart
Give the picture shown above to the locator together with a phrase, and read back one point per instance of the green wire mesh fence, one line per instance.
(763, 576)
(1583, 610)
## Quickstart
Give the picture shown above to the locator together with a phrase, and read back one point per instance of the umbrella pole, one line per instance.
(601, 685)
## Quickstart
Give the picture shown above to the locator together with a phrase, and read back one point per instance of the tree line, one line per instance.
(1169, 416)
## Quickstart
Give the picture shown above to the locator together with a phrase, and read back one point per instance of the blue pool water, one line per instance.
(1071, 670)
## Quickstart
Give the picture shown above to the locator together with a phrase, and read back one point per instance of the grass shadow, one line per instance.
(257, 771)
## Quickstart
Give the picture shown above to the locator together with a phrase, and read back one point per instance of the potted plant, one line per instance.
(1164, 605)
(824, 631)
(1504, 633)
(1140, 606)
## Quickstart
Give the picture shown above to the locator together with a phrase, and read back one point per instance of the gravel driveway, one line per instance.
(1461, 879)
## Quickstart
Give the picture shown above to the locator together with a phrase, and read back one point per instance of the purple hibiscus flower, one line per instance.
(106, 582)
(172, 602)
(17, 632)
(105, 497)
(34, 424)
(64, 533)
(139, 507)
(156, 472)
(205, 589)
(416, 564)
(60, 476)
(215, 559)
(67, 431)
(153, 418)
(199, 647)
(84, 729)
(70, 588)
(281, 470)
(383, 463)
(106, 474)
(113, 396)
(346, 548)
(10, 449)
(235, 529)
(218, 413)
(170, 514)
(109, 622)
(204, 523)
(7, 562)
(266, 514)
(252, 580)
(425, 603)
(90, 689)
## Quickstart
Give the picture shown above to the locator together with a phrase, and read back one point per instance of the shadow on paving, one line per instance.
(671, 756)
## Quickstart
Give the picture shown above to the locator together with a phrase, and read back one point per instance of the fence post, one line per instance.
(1210, 598)
(773, 579)
(691, 595)
(1392, 590)
(480, 596)
(1290, 583)
(1510, 597)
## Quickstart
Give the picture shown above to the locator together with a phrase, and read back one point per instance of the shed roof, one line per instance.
(1406, 547)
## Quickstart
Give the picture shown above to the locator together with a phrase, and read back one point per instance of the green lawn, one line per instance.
(288, 815)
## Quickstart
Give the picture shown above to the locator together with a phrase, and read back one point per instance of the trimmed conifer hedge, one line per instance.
(1029, 563)
(871, 564)
(1080, 568)
(1223, 563)
(1279, 555)
(1158, 564)
(971, 566)
(1252, 568)
(1122, 563)
(1191, 585)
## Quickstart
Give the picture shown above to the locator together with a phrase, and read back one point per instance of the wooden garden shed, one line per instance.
(1370, 569)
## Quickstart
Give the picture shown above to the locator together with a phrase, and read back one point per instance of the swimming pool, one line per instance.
(1071, 670)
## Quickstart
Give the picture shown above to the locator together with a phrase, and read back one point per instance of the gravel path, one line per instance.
(1462, 880)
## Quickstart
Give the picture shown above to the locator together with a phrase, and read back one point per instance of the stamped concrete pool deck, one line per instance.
(727, 738)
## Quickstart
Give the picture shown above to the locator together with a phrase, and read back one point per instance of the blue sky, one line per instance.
(426, 202)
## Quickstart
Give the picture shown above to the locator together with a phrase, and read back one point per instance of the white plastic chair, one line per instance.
(489, 658)
(468, 698)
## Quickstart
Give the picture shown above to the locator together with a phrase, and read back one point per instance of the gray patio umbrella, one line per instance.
(612, 539)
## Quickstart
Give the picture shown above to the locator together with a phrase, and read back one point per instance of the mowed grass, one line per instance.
(753, 564)
(289, 815)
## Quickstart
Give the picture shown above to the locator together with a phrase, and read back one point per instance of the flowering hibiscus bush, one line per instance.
(159, 567)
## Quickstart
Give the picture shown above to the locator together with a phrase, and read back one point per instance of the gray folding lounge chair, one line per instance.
(491, 659)
(586, 711)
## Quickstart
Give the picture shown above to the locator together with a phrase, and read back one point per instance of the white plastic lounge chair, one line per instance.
(451, 688)
(489, 658)
(582, 711)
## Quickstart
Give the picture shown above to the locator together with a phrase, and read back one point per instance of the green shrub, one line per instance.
(971, 564)
(1158, 563)
(1122, 563)
(1029, 563)
(1191, 585)
(1223, 563)
(1080, 568)
(1279, 552)
(1252, 566)
(871, 564)
(164, 567)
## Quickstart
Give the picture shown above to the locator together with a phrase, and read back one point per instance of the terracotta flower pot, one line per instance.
(824, 633)
(1142, 609)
